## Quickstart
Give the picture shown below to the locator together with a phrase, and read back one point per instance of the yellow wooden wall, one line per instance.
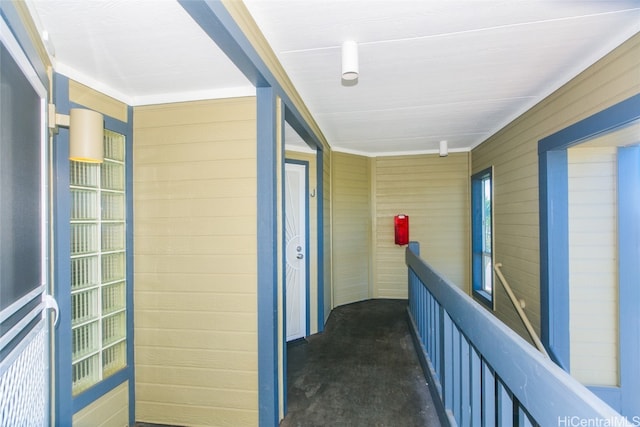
(111, 410)
(351, 221)
(369, 192)
(513, 152)
(195, 263)
(434, 192)
(593, 264)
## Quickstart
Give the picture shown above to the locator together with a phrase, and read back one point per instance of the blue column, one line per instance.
(629, 271)
(267, 230)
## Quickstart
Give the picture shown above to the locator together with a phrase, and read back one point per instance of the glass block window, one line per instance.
(98, 270)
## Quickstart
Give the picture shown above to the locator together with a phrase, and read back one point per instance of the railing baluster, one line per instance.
(439, 341)
(505, 406)
(488, 396)
(423, 314)
(456, 382)
(447, 354)
(465, 381)
(475, 383)
(524, 419)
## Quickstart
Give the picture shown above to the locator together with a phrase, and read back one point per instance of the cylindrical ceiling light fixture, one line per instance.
(86, 136)
(349, 60)
(444, 149)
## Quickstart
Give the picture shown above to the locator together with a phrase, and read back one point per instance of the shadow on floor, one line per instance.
(362, 371)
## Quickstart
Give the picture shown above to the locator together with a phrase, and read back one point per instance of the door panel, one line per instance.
(295, 250)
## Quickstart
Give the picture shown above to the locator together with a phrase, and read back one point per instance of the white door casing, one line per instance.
(295, 250)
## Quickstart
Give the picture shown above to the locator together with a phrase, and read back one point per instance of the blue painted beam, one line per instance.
(217, 22)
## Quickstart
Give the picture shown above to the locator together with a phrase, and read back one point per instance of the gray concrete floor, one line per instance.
(362, 371)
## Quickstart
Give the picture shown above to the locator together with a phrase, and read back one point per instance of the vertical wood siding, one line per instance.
(434, 192)
(513, 153)
(593, 265)
(351, 228)
(111, 410)
(313, 236)
(195, 263)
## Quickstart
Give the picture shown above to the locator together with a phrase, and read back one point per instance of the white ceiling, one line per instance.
(429, 70)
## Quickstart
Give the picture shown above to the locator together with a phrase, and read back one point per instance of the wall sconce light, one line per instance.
(86, 133)
(349, 60)
(444, 149)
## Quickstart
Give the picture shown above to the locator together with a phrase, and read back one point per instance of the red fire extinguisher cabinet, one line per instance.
(401, 226)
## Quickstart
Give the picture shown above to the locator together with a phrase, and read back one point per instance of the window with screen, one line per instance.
(98, 270)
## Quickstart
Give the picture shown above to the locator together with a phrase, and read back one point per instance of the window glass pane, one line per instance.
(487, 269)
(83, 204)
(113, 328)
(112, 176)
(114, 358)
(113, 146)
(112, 237)
(112, 206)
(84, 238)
(84, 306)
(84, 272)
(85, 340)
(112, 267)
(486, 215)
(113, 298)
(84, 174)
(85, 373)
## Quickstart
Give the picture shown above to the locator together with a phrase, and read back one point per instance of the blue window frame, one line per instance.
(70, 400)
(482, 236)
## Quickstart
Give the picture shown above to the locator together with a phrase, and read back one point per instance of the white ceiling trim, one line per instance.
(199, 95)
(79, 77)
(395, 153)
(162, 98)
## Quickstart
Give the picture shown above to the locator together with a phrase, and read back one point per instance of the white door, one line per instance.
(24, 328)
(295, 250)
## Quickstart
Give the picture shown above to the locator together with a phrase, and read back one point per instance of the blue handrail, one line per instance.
(482, 372)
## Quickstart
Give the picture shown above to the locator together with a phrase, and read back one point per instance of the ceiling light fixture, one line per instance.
(349, 60)
(444, 149)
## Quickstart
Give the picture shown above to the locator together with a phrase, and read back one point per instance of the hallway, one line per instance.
(362, 371)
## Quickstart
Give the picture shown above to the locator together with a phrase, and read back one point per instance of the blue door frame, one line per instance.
(554, 248)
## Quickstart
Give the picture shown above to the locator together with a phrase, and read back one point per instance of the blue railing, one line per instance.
(482, 372)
